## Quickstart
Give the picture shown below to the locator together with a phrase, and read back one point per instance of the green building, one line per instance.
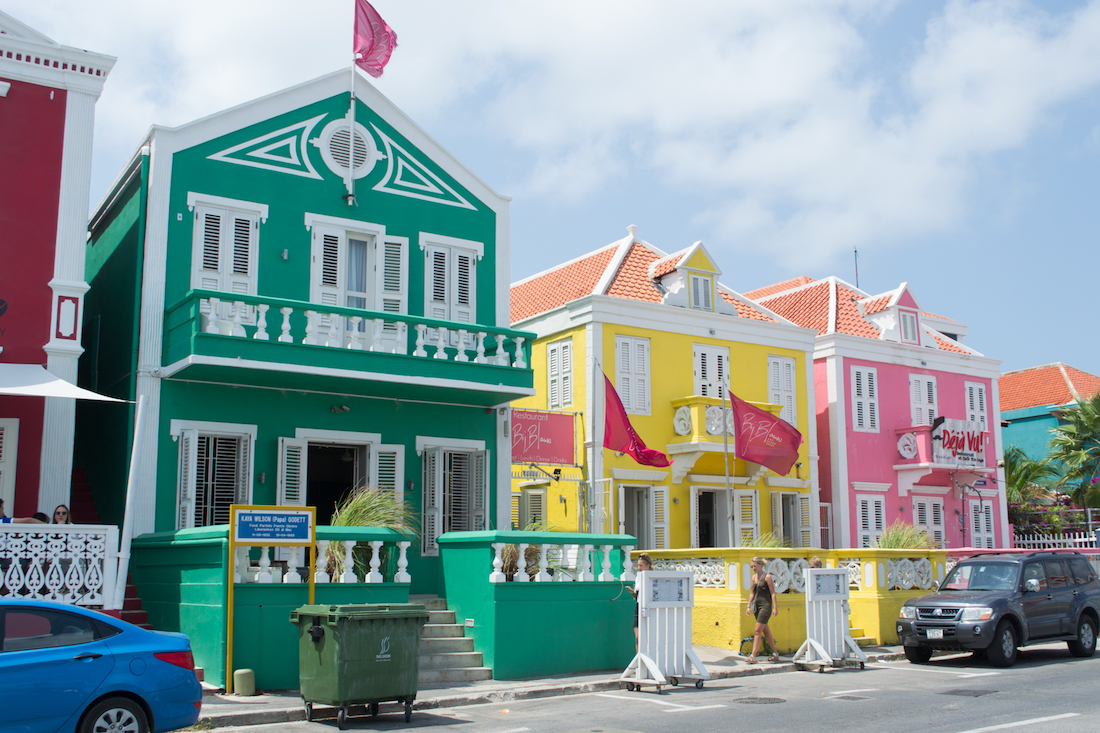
(306, 298)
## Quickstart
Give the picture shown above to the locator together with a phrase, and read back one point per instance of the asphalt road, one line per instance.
(1047, 690)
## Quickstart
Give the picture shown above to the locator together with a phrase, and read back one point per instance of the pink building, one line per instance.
(907, 416)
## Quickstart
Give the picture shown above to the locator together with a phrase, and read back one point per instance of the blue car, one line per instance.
(70, 670)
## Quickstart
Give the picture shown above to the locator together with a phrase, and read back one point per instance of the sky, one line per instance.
(953, 145)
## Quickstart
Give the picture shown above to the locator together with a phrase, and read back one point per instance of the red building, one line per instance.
(48, 94)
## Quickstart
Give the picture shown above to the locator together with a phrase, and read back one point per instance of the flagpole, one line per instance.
(597, 385)
(726, 445)
(349, 183)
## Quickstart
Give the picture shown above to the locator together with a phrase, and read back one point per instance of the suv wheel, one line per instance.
(1002, 652)
(1085, 643)
(918, 654)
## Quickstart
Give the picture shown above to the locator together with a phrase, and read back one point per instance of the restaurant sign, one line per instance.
(958, 442)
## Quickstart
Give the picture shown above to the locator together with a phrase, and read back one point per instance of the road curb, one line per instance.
(297, 713)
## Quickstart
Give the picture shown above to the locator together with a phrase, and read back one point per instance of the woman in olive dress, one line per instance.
(762, 598)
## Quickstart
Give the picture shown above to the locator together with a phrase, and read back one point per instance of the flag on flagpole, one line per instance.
(619, 434)
(373, 39)
(764, 438)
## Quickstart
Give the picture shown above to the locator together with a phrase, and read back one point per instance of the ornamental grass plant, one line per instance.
(903, 536)
(369, 506)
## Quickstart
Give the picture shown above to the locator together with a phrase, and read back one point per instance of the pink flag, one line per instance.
(764, 438)
(619, 434)
(373, 39)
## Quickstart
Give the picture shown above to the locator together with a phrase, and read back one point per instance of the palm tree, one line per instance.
(1075, 444)
(1024, 476)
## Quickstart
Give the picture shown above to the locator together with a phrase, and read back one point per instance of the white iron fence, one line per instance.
(66, 563)
(1071, 540)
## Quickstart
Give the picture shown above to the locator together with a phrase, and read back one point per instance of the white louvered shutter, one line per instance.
(710, 370)
(872, 517)
(291, 488)
(981, 521)
(479, 491)
(632, 373)
(328, 273)
(392, 270)
(624, 377)
(659, 509)
(745, 518)
(805, 521)
(694, 499)
(534, 508)
(437, 279)
(928, 515)
(781, 386)
(566, 373)
(388, 469)
(240, 264)
(922, 398)
(865, 399)
(975, 404)
(700, 293)
(553, 376)
(185, 479)
(208, 267)
(465, 286)
(431, 525)
(777, 514)
(242, 489)
(517, 510)
(225, 254)
(641, 375)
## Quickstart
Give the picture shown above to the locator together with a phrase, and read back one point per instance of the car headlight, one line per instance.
(977, 614)
(908, 611)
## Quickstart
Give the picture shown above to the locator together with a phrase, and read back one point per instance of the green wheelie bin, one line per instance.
(361, 654)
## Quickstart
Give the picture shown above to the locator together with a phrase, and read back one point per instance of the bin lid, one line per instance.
(363, 610)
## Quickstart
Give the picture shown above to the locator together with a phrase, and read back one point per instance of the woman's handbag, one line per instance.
(752, 607)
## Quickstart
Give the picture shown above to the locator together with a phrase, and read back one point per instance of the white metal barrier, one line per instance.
(665, 601)
(827, 642)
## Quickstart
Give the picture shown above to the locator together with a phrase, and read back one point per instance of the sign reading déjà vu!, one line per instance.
(958, 442)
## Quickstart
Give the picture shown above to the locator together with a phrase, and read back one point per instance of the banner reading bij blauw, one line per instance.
(543, 437)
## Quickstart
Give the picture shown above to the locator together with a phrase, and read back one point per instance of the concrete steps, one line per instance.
(859, 637)
(446, 654)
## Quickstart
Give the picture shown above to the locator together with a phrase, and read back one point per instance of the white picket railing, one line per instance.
(297, 571)
(563, 563)
(1071, 540)
(67, 563)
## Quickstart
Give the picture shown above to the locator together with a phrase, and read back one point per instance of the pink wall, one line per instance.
(871, 456)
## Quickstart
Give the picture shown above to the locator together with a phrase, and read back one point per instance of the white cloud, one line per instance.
(764, 108)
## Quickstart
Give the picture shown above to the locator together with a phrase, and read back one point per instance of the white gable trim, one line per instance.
(194, 198)
(353, 225)
(638, 474)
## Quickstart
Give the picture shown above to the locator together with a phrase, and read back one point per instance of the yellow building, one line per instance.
(667, 334)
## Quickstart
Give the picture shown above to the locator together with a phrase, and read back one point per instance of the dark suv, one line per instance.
(996, 603)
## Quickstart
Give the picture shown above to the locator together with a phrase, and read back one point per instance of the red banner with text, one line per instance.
(543, 437)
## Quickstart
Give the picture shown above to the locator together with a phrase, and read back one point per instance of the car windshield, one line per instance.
(981, 576)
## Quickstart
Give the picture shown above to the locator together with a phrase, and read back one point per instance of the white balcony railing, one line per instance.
(67, 563)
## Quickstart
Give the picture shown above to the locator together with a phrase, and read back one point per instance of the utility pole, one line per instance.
(855, 254)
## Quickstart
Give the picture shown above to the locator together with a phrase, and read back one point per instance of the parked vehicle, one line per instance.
(997, 603)
(68, 669)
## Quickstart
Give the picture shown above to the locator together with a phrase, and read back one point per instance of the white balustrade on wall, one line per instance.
(342, 550)
(68, 563)
(358, 333)
(560, 563)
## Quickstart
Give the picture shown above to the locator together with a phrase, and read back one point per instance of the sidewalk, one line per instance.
(283, 706)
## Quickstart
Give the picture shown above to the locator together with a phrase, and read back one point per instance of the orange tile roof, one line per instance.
(632, 280)
(668, 263)
(557, 287)
(848, 319)
(926, 314)
(878, 304)
(947, 344)
(1051, 384)
(808, 307)
(778, 287)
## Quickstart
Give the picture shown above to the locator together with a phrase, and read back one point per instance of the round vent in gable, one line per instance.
(338, 146)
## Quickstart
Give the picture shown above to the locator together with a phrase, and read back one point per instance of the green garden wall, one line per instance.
(538, 629)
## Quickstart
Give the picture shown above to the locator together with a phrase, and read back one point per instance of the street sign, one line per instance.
(272, 526)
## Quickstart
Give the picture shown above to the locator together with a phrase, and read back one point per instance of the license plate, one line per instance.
(935, 633)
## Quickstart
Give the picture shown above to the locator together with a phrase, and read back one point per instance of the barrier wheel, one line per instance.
(861, 665)
(658, 689)
(698, 684)
(309, 712)
(342, 719)
(674, 680)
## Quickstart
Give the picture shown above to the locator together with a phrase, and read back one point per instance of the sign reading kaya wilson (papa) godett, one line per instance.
(543, 437)
(958, 442)
(272, 526)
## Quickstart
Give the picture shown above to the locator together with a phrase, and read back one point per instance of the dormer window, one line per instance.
(701, 293)
(909, 334)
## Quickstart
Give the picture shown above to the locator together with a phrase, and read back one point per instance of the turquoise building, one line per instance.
(1032, 399)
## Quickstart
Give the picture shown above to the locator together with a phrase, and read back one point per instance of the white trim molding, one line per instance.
(862, 486)
(638, 474)
(457, 444)
(194, 198)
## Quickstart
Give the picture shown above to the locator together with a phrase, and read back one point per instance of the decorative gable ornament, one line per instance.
(689, 279)
(407, 176)
(339, 141)
(282, 151)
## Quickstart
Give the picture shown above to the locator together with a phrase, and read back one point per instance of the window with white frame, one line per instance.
(632, 373)
(791, 519)
(225, 244)
(702, 289)
(450, 277)
(981, 524)
(528, 507)
(871, 518)
(922, 399)
(864, 399)
(781, 386)
(559, 374)
(214, 471)
(928, 515)
(711, 366)
(975, 404)
(455, 489)
(909, 333)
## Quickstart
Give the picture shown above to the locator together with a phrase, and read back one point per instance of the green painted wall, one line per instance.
(538, 629)
(181, 578)
(104, 431)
